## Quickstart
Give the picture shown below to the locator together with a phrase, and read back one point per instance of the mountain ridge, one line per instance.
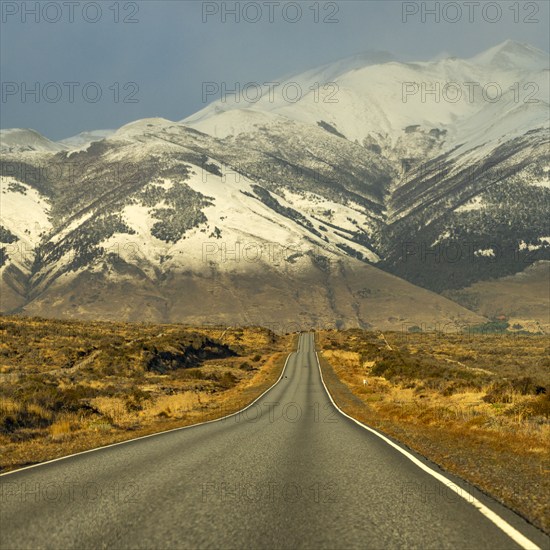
(144, 204)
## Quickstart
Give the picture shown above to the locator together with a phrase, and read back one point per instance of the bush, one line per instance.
(500, 392)
(193, 373)
(15, 416)
(525, 385)
(227, 380)
(538, 406)
(134, 401)
(246, 366)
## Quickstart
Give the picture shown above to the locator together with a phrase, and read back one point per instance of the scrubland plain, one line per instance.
(476, 404)
(70, 386)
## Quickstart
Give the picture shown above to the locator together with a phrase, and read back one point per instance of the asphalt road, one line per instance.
(289, 472)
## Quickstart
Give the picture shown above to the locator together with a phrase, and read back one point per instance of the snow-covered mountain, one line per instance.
(85, 138)
(366, 100)
(21, 140)
(467, 145)
(278, 211)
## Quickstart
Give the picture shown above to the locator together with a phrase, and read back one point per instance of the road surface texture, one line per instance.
(288, 472)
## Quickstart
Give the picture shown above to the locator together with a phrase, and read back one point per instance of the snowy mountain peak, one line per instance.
(329, 72)
(373, 97)
(26, 139)
(513, 55)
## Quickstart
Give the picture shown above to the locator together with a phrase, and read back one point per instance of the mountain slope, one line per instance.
(522, 299)
(243, 212)
(26, 140)
(185, 241)
(480, 139)
(84, 139)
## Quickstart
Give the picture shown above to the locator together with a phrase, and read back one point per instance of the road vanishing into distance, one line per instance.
(290, 471)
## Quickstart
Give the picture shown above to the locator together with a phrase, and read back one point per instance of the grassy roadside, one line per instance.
(70, 386)
(478, 407)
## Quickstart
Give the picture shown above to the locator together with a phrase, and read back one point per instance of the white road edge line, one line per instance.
(502, 524)
(156, 433)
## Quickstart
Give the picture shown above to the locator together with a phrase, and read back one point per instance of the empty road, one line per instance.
(289, 472)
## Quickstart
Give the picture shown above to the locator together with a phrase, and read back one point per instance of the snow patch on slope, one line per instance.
(24, 212)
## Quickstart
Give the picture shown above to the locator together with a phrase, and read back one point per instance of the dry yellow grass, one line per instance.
(175, 406)
(491, 429)
(10, 406)
(60, 429)
(113, 410)
(70, 386)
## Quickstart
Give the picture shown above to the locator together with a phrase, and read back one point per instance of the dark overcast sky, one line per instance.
(170, 50)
